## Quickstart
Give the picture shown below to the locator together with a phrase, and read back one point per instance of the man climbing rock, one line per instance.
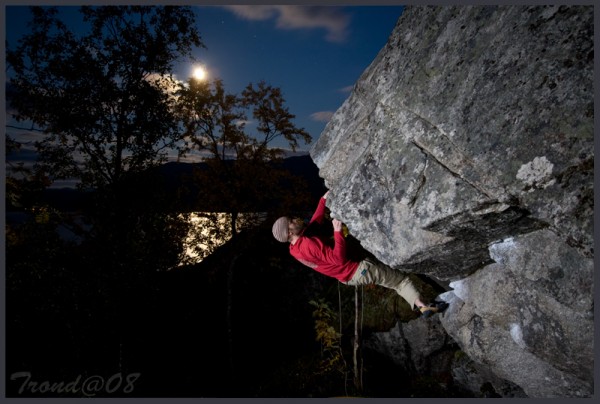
(316, 254)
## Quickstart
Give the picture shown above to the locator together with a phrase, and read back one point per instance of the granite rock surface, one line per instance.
(465, 152)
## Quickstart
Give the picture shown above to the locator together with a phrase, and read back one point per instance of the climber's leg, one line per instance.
(370, 272)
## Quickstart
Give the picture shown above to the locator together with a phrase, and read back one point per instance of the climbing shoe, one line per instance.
(432, 308)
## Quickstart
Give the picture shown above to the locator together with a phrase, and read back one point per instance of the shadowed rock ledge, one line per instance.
(465, 152)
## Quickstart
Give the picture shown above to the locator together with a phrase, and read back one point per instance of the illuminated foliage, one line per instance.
(329, 338)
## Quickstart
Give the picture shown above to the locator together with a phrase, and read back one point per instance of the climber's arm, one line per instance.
(319, 214)
(339, 249)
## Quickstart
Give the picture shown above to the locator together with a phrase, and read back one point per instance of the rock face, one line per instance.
(465, 153)
(422, 348)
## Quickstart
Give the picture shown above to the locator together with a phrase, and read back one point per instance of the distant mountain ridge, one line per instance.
(176, 174)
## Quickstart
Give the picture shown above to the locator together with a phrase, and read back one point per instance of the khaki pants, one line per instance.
(369, 272)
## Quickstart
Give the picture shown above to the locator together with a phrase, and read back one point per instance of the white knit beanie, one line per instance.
(281, 229)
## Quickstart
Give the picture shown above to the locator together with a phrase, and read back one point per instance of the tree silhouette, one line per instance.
(99, 97)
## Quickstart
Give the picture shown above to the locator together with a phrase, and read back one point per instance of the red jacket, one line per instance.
(312, 252)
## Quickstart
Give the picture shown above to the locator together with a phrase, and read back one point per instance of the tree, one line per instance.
(99, 97)
(242, 174)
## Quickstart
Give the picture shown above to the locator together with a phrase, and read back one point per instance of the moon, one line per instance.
(200, 73)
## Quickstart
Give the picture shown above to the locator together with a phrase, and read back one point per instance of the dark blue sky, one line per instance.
(314, 54)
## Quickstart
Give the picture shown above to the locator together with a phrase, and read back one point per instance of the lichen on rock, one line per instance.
(537, 173)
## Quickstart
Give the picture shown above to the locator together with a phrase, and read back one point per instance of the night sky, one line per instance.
(315, 54)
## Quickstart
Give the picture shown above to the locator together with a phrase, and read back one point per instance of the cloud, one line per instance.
(255, 13)
(332, 19)
(321, 116)
(346, 90)
(243, 123)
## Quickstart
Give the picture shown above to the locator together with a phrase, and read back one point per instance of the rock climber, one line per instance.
(314, 253)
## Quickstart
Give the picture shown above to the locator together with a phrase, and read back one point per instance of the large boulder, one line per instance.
(466, 152)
